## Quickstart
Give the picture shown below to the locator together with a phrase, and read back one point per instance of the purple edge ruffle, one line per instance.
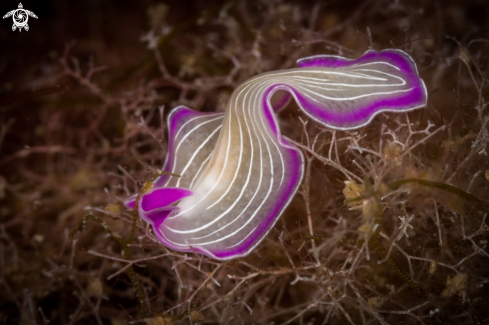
(363, 115)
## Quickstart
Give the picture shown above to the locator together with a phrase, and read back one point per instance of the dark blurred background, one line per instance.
(113, 28)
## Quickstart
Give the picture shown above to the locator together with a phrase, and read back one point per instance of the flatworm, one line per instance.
(238, 173)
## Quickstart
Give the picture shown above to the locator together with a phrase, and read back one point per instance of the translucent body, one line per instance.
(239, 173)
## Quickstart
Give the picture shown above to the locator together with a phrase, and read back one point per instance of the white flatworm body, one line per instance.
(239, 173)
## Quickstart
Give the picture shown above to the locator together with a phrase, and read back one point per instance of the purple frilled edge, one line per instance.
(159, 202)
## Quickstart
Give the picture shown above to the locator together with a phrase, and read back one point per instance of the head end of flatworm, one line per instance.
(129, 201)
(156, 204)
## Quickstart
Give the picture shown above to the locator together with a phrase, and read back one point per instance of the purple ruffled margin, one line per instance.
(414, 99)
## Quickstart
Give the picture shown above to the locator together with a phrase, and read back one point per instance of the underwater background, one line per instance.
(390, 225)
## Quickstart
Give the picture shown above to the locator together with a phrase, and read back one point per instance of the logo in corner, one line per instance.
(20, 17)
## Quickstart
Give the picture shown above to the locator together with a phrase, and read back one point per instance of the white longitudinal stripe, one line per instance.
(354, 97)
(241, 144)
(195, 154)
(245, 186)
(370, 77)
(358, 85)
(189, 121)
(233, 204)
(283, 170)
(340, 86)
(254, 126)
(257, 209)
(279, 154)
(318, 87)
(320, 82)
(255, 192)
(293, 73)
(321, 71)
(348, 74)
(393, 76)
(356, 64)
(185, 137)
(372, 63)
(256, 98)
(329, 82)
(237, 168)
(191, 131)
(217, 182)
(198, 171)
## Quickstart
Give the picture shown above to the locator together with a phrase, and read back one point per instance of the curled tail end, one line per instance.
(354, 91)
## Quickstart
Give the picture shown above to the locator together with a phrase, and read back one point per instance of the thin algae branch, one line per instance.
(126, 244)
